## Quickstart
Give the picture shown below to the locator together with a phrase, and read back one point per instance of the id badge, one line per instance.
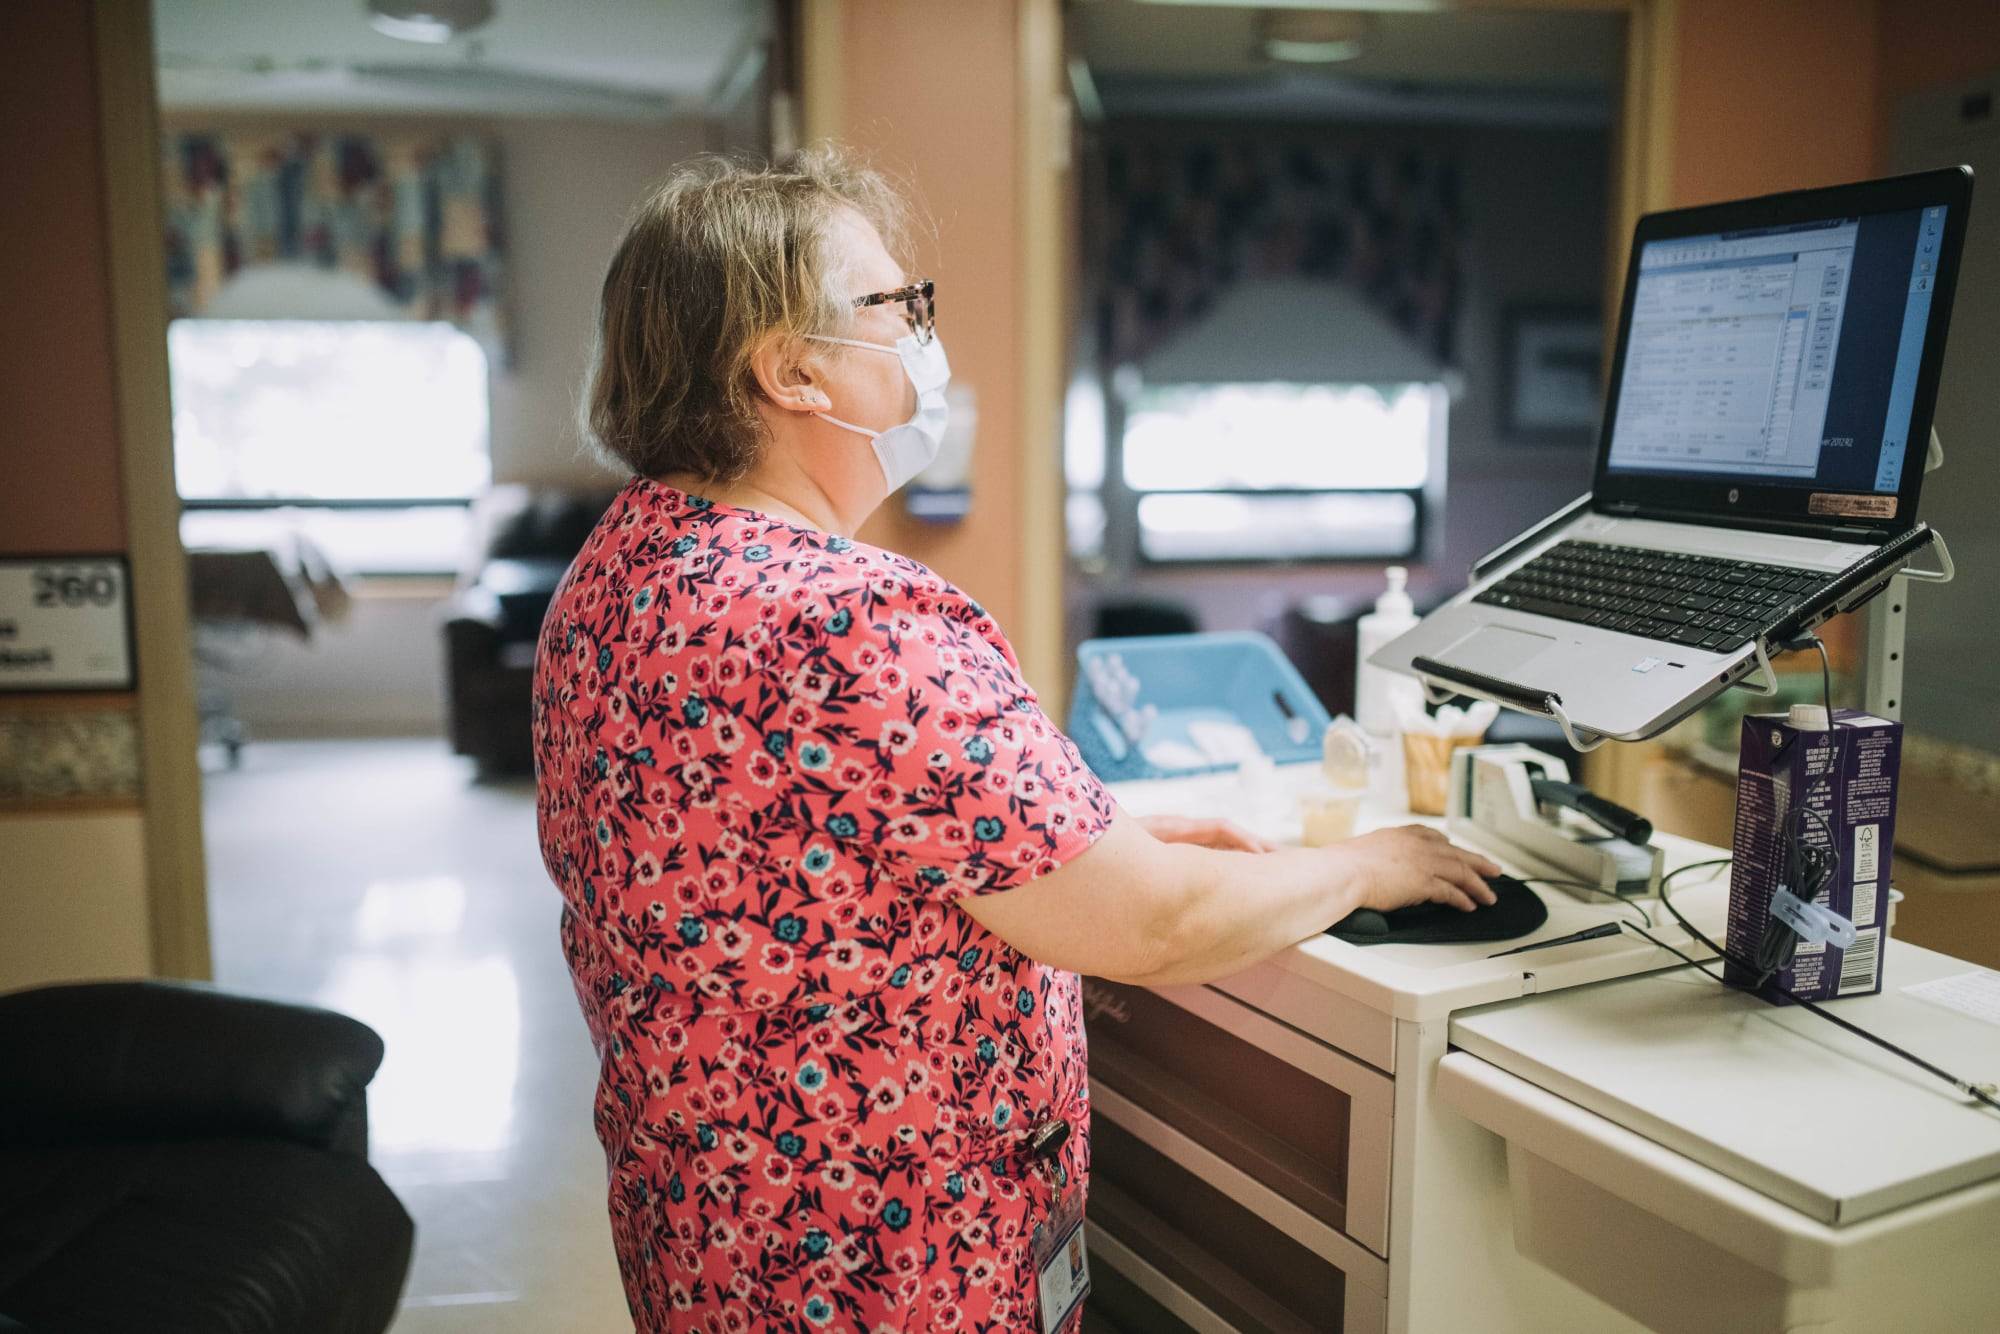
(1062, 1270)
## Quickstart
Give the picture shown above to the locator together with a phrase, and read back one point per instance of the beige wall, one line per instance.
(569, 188)
(58, 423)
(1776, 95)
(71, 905)
(1925, 44)
(73, 898)
(930, 93)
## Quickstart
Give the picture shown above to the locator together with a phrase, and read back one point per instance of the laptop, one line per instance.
(1758, 465)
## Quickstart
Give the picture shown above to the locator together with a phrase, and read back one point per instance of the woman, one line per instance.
(828, 872)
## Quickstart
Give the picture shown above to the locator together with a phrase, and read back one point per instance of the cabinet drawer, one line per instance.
(1214, 1264)
(1296, 1119)
(1206, 1244)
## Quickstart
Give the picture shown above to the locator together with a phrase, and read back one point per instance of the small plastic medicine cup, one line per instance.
(1344, 754)
(1327, 814)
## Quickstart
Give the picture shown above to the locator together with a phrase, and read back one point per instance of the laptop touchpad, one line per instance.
(1497, 650)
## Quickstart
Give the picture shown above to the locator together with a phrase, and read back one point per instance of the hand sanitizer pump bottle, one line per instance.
(1376, 691)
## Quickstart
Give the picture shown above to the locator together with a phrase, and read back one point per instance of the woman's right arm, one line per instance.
(1131, 908)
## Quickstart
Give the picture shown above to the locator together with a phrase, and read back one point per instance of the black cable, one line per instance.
(1805, 869)
(1985, 1093)
(1805, 860)
(1594, 889)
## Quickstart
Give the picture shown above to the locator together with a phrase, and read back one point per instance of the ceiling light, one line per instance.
(429, 21)
(1314, 37)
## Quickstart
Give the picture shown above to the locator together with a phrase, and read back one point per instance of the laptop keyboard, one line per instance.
(1698, 601)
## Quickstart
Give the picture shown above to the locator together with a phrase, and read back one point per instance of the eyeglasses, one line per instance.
(920, 300)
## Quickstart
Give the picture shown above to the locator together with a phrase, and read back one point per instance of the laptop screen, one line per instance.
(1781, 354)
(1784, 357)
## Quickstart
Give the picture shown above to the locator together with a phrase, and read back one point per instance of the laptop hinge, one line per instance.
(1763, 524)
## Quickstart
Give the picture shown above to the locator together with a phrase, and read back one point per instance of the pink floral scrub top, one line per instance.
(768, 760)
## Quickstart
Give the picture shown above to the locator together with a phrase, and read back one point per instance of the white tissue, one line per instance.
(1224, 742)
(1174, 756)
(1449, 720)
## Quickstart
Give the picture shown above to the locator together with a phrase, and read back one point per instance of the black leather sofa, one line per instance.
(175, 1159)
(528, 536)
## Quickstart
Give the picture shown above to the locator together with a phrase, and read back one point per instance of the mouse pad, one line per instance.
(1516, 911)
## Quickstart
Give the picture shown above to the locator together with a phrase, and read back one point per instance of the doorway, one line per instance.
(385, 242)
(1344, 282)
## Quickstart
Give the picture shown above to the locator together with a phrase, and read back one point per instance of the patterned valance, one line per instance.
(1185, 218)
(417, 215)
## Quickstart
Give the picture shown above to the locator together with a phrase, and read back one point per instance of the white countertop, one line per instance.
(1423, 982)
(1773, 1097)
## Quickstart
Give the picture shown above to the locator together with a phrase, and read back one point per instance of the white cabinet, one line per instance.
(1268, 1152)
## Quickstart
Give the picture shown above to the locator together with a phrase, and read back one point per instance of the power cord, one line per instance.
(1988, 1094)
(1633, 904)
(1808, 868)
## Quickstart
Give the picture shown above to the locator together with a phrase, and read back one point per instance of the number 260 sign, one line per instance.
(65, 623)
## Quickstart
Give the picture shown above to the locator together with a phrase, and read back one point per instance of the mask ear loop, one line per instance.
(828, 416)
(847, 426)
(889, 348)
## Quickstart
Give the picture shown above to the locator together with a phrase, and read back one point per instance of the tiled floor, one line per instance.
(375, 878)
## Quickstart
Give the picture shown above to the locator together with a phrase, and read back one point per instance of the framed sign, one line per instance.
(1552, 374)
(65, 623)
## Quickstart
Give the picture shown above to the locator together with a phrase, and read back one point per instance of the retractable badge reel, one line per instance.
(1062, 1269)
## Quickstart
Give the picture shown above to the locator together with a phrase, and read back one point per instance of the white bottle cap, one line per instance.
(1395, 602)
(1808, 717)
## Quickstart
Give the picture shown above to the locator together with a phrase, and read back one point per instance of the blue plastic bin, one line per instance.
(1236, 677)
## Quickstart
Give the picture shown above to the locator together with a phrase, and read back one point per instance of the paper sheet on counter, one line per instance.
(1976, 993)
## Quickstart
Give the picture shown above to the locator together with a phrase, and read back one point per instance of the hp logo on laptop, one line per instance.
(1734, 495)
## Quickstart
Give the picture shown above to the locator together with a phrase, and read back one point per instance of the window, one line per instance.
(1224, 472)
(308, 410)
(375, 433)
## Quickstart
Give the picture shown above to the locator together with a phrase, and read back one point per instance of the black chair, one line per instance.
(492, 622)
(1130, 618)
(173, 1158)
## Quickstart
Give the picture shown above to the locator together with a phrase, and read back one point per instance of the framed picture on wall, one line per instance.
(1552, 374)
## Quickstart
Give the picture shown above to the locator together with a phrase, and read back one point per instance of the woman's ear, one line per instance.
(789, 375)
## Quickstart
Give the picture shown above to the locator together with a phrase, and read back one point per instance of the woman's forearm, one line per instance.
(1132, 908)
(1219, 912)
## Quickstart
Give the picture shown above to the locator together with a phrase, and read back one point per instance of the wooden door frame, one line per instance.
(168, 722)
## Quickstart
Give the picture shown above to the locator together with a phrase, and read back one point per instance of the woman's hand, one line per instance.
(1394, 868)
(1150, 902)
(1222, 835)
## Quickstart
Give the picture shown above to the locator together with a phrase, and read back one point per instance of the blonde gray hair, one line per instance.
(717, 259)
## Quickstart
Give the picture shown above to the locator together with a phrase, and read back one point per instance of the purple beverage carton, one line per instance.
(1848, 777)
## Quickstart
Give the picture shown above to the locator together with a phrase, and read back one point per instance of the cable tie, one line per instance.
(1814, 923)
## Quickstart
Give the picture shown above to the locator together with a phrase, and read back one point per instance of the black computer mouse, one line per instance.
(1515, 911)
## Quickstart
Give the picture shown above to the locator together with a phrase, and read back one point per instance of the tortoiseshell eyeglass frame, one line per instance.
(920, 296)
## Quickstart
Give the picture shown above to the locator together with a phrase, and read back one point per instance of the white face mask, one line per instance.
(906, 450)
